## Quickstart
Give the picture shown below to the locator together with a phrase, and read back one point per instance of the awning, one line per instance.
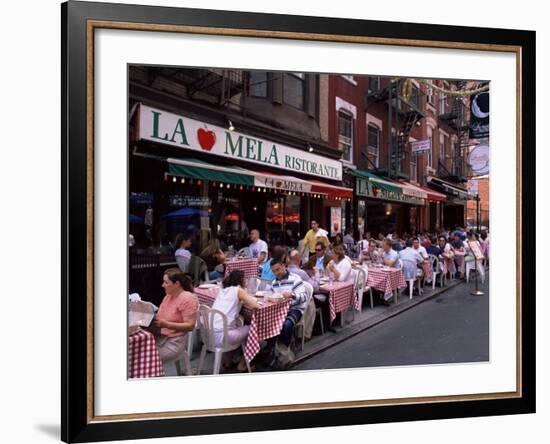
(449, 188)
(196, 169)
(381, 183)
(434, 195)
(370, 185)
(412, 190)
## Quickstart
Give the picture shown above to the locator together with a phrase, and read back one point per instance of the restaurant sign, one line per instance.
(421, 146)
(369, 188)
(182, 132)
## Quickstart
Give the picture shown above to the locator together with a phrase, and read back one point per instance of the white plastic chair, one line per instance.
(244, 251)
(417, 279)
(207, 316)
(361, 286)
(434, 261)
(300, 324)
(187, 363)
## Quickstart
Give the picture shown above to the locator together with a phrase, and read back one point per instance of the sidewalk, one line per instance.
(364, 320)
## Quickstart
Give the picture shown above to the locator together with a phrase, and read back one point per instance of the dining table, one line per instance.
(143, 356)
(265, 322)
(248, 265)
(341, 295)
(387, 280)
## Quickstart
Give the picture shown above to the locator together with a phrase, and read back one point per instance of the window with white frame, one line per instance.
(373, 144)
(345, 135)
(414, 168)
(430, 94)
(442, 150)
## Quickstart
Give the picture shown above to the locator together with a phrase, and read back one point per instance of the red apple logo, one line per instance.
(278, 184)
(207, 139)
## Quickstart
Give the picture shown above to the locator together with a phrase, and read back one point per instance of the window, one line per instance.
(414, 169)
(415, 97)
(442, 150)
(374, 84)
(345, 135)
(430, 95)
(293, 89)
(258, 83)
(442, 104)
(373, 144)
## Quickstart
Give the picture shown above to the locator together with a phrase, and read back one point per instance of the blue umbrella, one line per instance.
(135, 219)
(185, 212)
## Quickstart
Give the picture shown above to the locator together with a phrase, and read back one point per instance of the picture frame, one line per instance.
(80, 20)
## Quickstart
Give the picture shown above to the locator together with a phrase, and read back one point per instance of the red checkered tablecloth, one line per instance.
(341, 297)
(249, 265)
(459, 259)
(206, 296)
(267, 322)
(143, 356)
(428, 271)
(385, 281)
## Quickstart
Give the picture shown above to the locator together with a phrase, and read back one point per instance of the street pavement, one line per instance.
(451, 328)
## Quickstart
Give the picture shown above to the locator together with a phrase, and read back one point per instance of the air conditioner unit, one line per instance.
(430, 170)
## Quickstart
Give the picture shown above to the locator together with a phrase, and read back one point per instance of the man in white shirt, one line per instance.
(411, 259)
(258, 247)
(292, 287)
(419, 248)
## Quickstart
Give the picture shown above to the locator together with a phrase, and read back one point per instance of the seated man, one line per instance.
(294, 261)
(292, 287)
(317, 262)
(391, 258)
(278, 252)
(410, 259)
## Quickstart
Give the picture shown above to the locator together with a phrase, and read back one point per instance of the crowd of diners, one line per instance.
(285, 270)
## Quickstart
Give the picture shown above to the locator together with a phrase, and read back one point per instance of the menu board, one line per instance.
(475, 247)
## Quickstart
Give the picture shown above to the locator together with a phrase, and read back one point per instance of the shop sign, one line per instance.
(368, 188)
(335, 220)
(282, 183)
(421, 146)
(182, 132)
(179, 200)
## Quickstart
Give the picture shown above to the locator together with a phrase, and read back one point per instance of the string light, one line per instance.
(241, 188)
(183, 180)
(174, 179)
(199, 182)
(214, 184)
(253, 189)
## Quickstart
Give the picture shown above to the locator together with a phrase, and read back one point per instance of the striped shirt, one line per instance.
(293, 283)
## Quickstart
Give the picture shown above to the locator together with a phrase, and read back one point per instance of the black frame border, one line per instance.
(75, 426)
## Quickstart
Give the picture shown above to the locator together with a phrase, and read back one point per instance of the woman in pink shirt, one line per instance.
(176, 315)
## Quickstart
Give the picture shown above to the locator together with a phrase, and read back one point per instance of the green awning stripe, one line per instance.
(380, 183)
(387, 187)
(208, 174)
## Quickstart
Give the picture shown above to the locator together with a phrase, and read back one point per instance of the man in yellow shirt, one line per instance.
(315, 235)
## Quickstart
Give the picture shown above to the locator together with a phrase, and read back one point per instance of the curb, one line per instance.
(354, 329)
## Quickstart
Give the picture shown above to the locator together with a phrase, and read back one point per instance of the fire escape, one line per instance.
(212, 85)
(403, 115)
(457, 119)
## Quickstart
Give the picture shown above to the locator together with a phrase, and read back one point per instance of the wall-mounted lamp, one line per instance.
(230, 127)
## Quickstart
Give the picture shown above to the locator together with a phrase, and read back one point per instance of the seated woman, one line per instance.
(340, 265)
(183, 254)
(215, 260)
(176, 315)
(229, 302)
